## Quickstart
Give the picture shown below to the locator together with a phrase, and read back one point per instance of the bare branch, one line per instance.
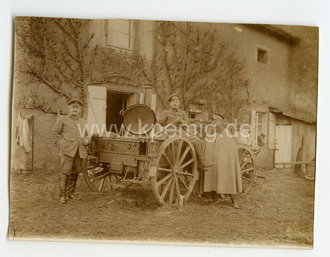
(46, 82)
(59, 25)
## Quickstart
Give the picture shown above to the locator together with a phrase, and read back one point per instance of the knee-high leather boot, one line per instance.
(72, 186)
(63, 183)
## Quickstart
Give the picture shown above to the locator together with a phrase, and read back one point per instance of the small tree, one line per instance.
(197, 65)
(59, 55)
(50, 53)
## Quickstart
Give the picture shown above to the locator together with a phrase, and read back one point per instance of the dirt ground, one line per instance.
(278, 210)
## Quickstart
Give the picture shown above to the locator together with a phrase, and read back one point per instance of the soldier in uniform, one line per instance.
(72, 146)
(224, 178)
(178, 117)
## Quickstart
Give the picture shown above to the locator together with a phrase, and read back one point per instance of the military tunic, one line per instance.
(71, 140)
(172, 116)
(72, 150)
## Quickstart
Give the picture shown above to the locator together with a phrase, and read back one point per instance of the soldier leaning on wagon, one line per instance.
(178, 117)
(72, 146)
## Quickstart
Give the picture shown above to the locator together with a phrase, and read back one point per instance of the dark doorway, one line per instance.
(116, 103)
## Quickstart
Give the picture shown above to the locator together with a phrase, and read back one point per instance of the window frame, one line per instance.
(263, 126)
(130, 36)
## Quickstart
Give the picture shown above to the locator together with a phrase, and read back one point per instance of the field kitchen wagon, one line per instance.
(167, 164)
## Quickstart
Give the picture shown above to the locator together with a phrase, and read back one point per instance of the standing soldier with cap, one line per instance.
(224, 178)
(72, 146)
(178, 117)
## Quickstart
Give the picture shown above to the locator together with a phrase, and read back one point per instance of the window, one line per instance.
(259, 122)
(119, 34)
(262, 56)
(260, 129)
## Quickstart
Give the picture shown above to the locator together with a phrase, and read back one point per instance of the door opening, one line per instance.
(116, 104)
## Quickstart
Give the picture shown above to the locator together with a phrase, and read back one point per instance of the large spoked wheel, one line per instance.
(176, 171)
(247, 165)
(97, 176)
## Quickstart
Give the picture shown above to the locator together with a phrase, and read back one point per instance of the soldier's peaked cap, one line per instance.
(173, 97)
(75, 100)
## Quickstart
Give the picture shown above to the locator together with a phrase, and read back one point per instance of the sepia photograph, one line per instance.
(163, 132)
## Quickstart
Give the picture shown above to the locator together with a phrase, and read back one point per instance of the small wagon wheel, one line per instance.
(247, 167)
(176, 171)
(97, 175)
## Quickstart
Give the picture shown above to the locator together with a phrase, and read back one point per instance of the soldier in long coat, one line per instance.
(224, 177)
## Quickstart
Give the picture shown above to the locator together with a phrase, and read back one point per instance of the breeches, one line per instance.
(70, 165)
